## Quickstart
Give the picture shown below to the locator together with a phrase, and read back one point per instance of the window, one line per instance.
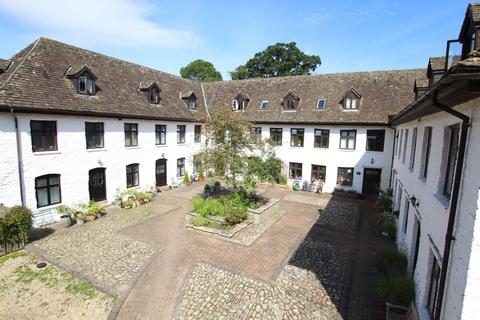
(396, 142)
(239, 103)
(451, 160)
(413, 149)
(180, 167)
(47, 190)
(290, 103)
(404, 151)
(153, 95)
(345, 176)
(318, 173)
(257, 132)
(180, 134)
(427, 141)
(321, 103)
(351, 101)
(86, 85)
(44, 135)
(405, 218)
(295, 170)
(473, 41)
(133, 175)
(296, 137)
(400, 144)
(433, 287)
(160, 134)
(321, 138)
(375, 140)
(94, 134)
(276, 136)
(198, 133)
(131, 134)
(192, 103)
(347, 139)
(264, 105)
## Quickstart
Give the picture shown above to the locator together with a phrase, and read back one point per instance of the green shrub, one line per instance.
(397, 289)
(385, 200)
(235, 215)
(186, 178)
(390, 261)
(199, 221)
(390, 226)
(15, 223)
(282, 179)
(207, 189)
(94, 208)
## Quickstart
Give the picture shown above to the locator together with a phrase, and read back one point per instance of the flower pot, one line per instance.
(65, 221)
(118, 203)
(80, 221)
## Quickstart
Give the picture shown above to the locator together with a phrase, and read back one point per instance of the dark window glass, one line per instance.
(198, 133)
(345, 176)
(321, 103)
(133, 176)
(322, 138)
(413, 148)
(351, 102)
(405, 222)
(404, 151)
(257, 132)
(295, 171)
(296, 137)
(276, 136)
(375, 140)
(180, 167)
(153, 96)
(44, 135)
(192, 103)
(433, 287)
(318, 172)
(451, 160)
(290, 103)
(181, 134)
(428, 143)
(131, 134)
(86, 85)
(94, 134)
(47, 190)
(160, 134)
(347, 139)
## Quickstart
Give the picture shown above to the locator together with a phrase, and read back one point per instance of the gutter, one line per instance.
(453, 200)
(19, 158)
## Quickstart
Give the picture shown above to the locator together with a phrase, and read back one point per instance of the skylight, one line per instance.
(264, 105)
(321, 103)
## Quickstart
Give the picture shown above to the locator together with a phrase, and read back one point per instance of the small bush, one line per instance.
(94, 208)
(199, 221)
(235, 215)
(15, 223)
(390, 261)
(282, 179)
(186, 178)
(207, 189)
(385, 200)
(397, 289)
(390, 226)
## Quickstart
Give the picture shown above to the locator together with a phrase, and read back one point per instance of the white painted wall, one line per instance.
(73, 161)
(334, 157)
(462, 290)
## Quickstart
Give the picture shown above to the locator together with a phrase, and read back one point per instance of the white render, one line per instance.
(462, 294)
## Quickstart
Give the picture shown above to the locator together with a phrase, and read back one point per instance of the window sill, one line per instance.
(289, 110)
(346, 150)
(161, 145)
(96, 149)
(181, 143)
(351, 110)
(41, 153)
(49, 207)
(443, 200)
(320, 148)
(133, 187)
(295, 147)
(423, 179)
(374, 151)
(132, 147)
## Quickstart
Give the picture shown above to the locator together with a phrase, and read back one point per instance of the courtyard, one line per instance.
(312, 258)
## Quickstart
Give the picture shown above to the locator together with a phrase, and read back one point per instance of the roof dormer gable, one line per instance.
(151, 90)
(290, 101)
(4, 65)
(83, 79)
(190, 99)
(351, 99)
(240, 102)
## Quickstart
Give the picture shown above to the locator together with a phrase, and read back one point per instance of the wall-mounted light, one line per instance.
(414, 201)
(100, 163)
(163, 155)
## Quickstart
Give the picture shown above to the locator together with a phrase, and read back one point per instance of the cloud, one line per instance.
(122, 23)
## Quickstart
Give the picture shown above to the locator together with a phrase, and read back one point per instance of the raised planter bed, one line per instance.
(271, 206)
(221, 232)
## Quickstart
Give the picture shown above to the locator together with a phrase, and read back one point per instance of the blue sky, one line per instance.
(166, 35)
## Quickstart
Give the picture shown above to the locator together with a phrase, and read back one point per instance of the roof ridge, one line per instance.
(2, 85)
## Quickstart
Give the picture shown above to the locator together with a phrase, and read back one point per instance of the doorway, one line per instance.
(161, 172)
(97, 186)
(371, 181)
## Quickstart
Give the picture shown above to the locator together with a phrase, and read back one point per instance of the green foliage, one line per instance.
(128, 204)
(390, 226)
(296, 186)
(200, 70)
(65, 211)
(15, 223)
(268, 169)
(397, 289)
(235, 215)
(390, 261)
(12, 255)
(282, 179)
(280, 59)
(385, 200)
(199, 221)
(186, 178)
(94, 208)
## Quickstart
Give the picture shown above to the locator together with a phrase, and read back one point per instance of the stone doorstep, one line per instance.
(222, 233)
(272, 202)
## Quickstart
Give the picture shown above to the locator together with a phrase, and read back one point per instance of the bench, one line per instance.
(395, 312)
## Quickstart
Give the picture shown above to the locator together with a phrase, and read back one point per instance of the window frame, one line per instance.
(434, 276)
(154, 95)
(324, 104)
(276, 132)
(192, 103)
(321, 145)
(348, 137)
(134, 171)
(405, 142)
(181, 133)
(160, 131)
(88, 81)
(49, 186)
(452, 155)
(43, 135)
(264, 104)
(351, 102)
(413, 148)
(382, 139)
(130, 133)
(290, 103)
(296, 136)
(293, 169)
(257, 133)
(197, 133)
(344, 177)
(93, 133)
(318, 171)
(180, 167)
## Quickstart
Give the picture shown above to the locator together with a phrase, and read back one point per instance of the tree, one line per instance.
(200, 70)
(281, 59)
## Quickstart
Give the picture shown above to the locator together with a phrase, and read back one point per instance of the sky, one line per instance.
(167, 35)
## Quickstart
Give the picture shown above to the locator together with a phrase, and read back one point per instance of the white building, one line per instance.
(436, 185)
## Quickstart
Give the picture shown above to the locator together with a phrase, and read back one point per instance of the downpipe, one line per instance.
(19, 157)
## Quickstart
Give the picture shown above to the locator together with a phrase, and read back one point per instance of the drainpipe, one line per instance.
(19, 157)
(453, 200)
(393, 159)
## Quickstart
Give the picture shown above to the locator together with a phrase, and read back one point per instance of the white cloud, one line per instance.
(123, 23)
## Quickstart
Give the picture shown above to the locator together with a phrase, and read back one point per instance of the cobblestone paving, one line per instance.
(338, 215)
(188, 193)
(315, 200)
(309, 287)
(96, 251)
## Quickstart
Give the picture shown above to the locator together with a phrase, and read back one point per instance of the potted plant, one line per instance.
(65, 216)
(296, 185)
(80, 217)
(95, 209)
(201, 177)
(186, 179)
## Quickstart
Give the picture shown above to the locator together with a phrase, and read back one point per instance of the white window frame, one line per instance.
(264, 105)
(324, 103)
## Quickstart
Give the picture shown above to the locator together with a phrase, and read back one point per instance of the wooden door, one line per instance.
(97, 186)
(161, 172)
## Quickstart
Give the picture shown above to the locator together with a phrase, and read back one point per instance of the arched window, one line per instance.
(47, 190)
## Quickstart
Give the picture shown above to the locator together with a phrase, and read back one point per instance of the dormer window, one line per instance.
(153, 95)
(290, 102)
(240, 102)
(151, 90)
(351, 100)
(190, 100)
(321, 103)
(264, 105)
(85, 85)
(192, 103)
(83, 80)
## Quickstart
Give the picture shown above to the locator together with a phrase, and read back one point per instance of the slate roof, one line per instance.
(4, 65)
(383, 93)
(38, 82)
